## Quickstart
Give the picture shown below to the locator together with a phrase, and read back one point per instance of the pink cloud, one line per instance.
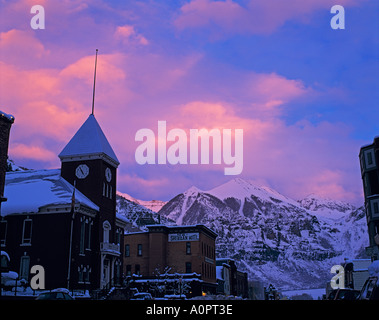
(208, 115)
(22, 151)
(21, 48)
(304, 158)
(269, 92)
(127, 34)
(48, 87)
(296, 159)
(331, 184)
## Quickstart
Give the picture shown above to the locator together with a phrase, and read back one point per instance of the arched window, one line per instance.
(106, 228)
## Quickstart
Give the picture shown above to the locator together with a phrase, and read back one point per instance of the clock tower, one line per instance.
(89, 162)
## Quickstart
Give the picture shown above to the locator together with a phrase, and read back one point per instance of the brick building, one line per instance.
(74, 233)
(230, 280)
(369, 159)
(187, 251)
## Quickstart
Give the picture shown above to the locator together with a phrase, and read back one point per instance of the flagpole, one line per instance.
(94, 84)
(71, 232)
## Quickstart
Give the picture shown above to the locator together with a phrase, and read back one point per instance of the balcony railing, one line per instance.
(111, 248)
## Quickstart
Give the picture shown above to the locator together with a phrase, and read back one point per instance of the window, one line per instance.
(128, 270)
(370, 158)
(127, 250)
(188, 267)
(80, 279)
(117, 272)
(106, 228)
(374, 207)
(86, 275)
(118, 236)
(139, 250)
(3, 232)
(107, 190)
(88, 234)
(27, 232)
(188, 247)
(137, 269)
(82, 235)
(24, 267)
(85, 234)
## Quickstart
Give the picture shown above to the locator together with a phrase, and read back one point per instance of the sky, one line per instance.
(305, 95)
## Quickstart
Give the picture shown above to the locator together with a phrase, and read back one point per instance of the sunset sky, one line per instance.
(305, 95)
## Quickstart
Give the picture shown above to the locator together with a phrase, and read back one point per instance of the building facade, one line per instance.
(65, 219)
(181, 250)
(231, 281)
(369, 163)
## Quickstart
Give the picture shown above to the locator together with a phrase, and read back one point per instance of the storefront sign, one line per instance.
(172, 237)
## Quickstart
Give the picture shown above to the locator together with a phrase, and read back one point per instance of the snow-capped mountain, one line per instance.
(153, 205)
(274, 238)
(137, 215)
(326, 207)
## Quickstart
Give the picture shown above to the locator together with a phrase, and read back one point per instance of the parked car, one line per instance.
(370, 290)
(142, 296)
(343, 294)
(56, 294)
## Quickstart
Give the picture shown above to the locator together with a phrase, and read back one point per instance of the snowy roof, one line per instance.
(28, 191)
(89, 140)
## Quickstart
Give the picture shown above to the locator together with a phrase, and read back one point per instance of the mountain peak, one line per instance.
(191, 191)
(261, 229)
(240, 189)
(326, 207)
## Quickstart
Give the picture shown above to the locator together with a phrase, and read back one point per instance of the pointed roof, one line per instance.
(89, 142)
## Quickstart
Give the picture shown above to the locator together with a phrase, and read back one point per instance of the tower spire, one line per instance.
(94, 84)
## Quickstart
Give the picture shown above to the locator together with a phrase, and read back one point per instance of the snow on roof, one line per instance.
(28, 191)
(88, 140)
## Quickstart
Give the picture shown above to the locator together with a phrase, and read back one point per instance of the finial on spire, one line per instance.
(94, 83)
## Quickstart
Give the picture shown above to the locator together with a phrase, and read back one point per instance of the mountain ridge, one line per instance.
(292, 244)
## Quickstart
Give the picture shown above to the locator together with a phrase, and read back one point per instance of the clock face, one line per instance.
(82, 171)
(108, 174)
